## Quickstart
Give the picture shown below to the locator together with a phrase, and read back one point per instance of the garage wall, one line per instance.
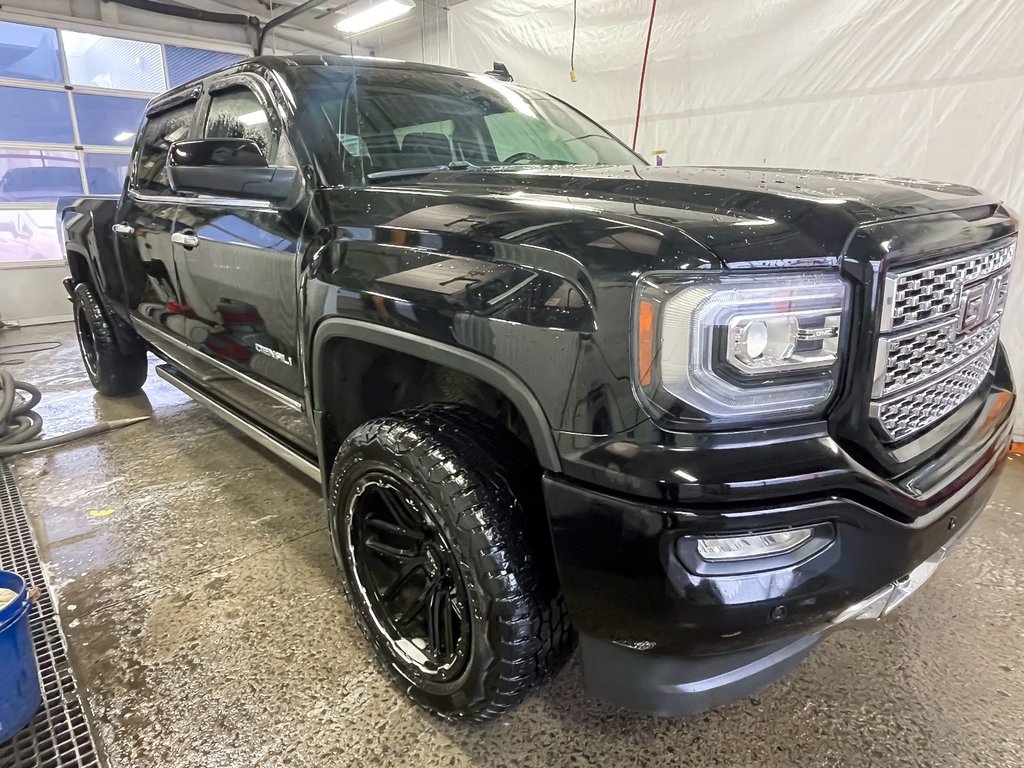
(112, 78)
(920, 88)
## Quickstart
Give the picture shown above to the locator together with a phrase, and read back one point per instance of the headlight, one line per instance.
(732, 347)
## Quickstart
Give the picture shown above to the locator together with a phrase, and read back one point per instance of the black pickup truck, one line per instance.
(692, 418)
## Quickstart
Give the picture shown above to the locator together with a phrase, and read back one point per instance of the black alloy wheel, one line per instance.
(113, 370)
(407, 574)
(438, 525)
(86, 341)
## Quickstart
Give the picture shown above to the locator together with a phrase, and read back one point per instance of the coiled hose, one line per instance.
(19, 423)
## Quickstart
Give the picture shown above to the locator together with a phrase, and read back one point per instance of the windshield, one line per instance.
(391, 122)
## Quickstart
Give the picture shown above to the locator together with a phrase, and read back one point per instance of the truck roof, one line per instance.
(363, 62)
(286, 64)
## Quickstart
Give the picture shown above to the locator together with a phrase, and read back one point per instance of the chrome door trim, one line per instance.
(295, 404)
(201, 200)
(248, 428)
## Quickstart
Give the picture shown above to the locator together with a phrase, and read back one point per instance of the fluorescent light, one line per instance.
(124, 136)
(253, 118)
(367, 15)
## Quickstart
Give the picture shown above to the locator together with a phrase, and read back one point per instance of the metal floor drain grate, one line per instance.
(59, 734)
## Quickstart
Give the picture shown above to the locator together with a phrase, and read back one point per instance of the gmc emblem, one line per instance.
(981, 302)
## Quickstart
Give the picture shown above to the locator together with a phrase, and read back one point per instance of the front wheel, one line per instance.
(111, 371)
(445, 569)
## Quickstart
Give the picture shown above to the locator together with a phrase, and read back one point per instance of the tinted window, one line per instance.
(184, 64)
(423, 120)
(31, 115)
(511, 131)
(113, 62)
(236, 113)
(29, 53)
(38, 175)
(112, 120)
(159, 133)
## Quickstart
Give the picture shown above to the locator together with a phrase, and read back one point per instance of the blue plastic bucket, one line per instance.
(19, 676)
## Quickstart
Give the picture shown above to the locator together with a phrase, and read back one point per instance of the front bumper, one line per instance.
(657, 636)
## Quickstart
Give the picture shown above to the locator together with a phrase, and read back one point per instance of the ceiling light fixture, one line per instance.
(256, 117)
(367, 15)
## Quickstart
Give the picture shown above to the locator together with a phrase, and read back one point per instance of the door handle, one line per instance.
(186, 239)
(123, 229)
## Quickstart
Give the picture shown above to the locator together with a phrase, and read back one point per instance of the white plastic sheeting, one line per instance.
(920, 88)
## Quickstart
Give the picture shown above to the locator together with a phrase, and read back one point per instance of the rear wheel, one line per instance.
(111, 371)
(444, 565)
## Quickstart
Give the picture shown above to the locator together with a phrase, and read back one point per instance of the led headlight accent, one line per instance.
(780, 342)
(739, 346)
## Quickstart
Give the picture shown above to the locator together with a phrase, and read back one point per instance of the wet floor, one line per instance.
(199, 596)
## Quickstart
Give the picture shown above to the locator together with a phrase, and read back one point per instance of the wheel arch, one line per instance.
(78, 264)
(465, 363)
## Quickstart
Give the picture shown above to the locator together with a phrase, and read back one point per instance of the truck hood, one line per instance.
(744, 216)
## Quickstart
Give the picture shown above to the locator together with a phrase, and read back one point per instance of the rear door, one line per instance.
(238, 262)
(143, 226)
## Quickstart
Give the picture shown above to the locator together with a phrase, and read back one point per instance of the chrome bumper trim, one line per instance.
(881, 603)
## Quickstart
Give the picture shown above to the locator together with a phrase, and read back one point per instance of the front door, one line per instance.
(238, 262)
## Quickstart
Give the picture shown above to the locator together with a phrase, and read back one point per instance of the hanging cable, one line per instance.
(572, 47)
(423, 32)
(643, 72)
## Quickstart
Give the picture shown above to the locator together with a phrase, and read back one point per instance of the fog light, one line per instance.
(752, 545)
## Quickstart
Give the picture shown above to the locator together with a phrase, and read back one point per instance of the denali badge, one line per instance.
(981, 302)
(279, 356)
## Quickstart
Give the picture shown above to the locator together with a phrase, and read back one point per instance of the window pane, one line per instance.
(30, 115)
(104, 174)
(157, 136)
(29, 53)
(113, 62)
(108, 119)
(29, 235)
(38, 175)
(510, 131)
(237, 114)
(184, 64)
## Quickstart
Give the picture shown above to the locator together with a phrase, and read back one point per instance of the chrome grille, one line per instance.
(924, 293)
(939, 328)
(904, 415)
(911, 358)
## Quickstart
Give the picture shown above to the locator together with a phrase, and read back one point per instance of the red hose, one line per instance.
(643, 72)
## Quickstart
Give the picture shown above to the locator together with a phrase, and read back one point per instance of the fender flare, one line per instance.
(489, 372)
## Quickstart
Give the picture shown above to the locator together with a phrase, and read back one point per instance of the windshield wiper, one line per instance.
(454, 165)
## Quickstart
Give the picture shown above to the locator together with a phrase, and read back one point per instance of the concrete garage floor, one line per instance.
(199, 595)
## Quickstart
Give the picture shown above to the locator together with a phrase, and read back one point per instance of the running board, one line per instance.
(241, 423)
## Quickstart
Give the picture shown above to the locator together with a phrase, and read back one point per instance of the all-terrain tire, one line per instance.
(482, 489)
(111, 371)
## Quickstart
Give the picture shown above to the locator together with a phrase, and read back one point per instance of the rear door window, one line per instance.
(159, 132)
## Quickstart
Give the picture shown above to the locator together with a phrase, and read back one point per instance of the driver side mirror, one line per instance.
(232, 167)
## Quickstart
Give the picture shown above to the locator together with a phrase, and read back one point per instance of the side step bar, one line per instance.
(242, 424)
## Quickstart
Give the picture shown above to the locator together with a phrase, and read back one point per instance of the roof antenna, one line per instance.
(500, 72)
